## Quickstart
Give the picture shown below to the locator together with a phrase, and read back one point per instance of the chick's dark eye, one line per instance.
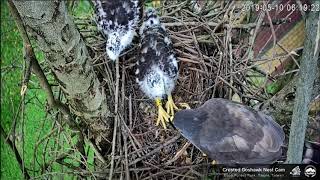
(110, 48)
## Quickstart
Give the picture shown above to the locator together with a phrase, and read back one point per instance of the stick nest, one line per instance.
(215, 54)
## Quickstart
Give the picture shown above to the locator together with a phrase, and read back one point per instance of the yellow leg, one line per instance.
(170, 106)
(156, 3)
(163, 116)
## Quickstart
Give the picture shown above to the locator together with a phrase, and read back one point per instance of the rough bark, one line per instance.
(48, 23)
(307, 77)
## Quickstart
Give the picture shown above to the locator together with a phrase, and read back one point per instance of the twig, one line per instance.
(178, 154)
(240, 26)
(303, 13)
(290, 53)
(116, 98)
(155, 150)
(162, 171)
(272, 31)
(16, 153)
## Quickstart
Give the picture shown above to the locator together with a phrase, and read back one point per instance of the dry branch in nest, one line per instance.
(215, 53)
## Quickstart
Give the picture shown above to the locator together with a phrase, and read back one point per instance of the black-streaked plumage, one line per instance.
(230, 132)
(118, 20)
(157, 68)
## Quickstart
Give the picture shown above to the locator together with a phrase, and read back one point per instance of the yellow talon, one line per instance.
(170, 106)
(158, 102)
(163, 116)
(156, 3)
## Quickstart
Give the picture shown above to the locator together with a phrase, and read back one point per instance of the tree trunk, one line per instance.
(48, 23)
(307, 77)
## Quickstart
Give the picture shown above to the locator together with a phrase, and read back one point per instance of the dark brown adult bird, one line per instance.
(231, 133)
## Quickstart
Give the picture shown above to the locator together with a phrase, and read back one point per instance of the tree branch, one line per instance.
(16, 153)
